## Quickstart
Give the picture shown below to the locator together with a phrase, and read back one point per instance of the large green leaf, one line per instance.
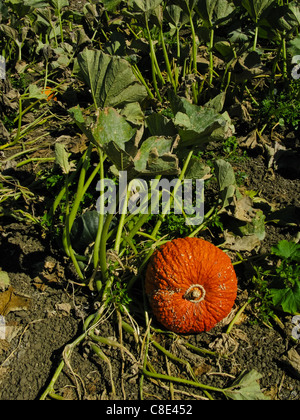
(213, 12)
(295, 10)
(175, 16)
(110, 126)
(144, 6)
(198, 125)
(256, 8)
(159, 125)
(112, 133)
(111, 79)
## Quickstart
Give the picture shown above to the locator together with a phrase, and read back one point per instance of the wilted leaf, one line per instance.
(159, 125)
(11, 301)
(36, 93)
(110, 126)
(226, 180)
(243, 209)
(62, 158)
(197, 170)
(155, 157)
(256, 226)
(198, 125)
(246, 387)
(237, 243)
(110, 78)
(292, 360)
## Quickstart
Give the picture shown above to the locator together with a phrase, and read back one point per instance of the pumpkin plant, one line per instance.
(191, 285)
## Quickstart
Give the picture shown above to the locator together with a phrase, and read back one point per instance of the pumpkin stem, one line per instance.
(195, 293)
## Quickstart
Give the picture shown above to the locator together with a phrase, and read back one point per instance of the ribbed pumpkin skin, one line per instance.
(177, 265)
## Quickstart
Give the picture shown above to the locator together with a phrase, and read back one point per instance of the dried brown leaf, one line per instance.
(11, 301)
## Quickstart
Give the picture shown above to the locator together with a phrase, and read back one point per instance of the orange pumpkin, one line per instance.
(191, 285)
(50, 93)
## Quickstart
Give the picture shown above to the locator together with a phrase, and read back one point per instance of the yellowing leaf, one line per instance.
(11, 301)
(62, 158)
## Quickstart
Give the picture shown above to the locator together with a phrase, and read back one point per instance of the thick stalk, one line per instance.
(103, 244)
(181, 176)
(181, 381)
(101, 217)
(66, 235)
(154, 65)
(284, 56)
(211, 57)
(166, 57)
(81, 186)
(194, 59)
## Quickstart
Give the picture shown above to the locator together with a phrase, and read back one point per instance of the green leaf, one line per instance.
(111, 79)
(288, 298)
(111, 4)
(256, 226)
(84, 230)
(216, 103)
(4, 280)
(226, 180)
(197, 169)
(256, 8)
(176, 16)
(133, 113)
(159, 125)
(246, 388)
(214, 11)
(294, 46)
(295, 9)
(9, 31)
(62, 158)
(286, 249)
(201, 127)
(82, 122)
(155, 157)
(110, 126)
(144, 6)
(36, 92)
(59, 4)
